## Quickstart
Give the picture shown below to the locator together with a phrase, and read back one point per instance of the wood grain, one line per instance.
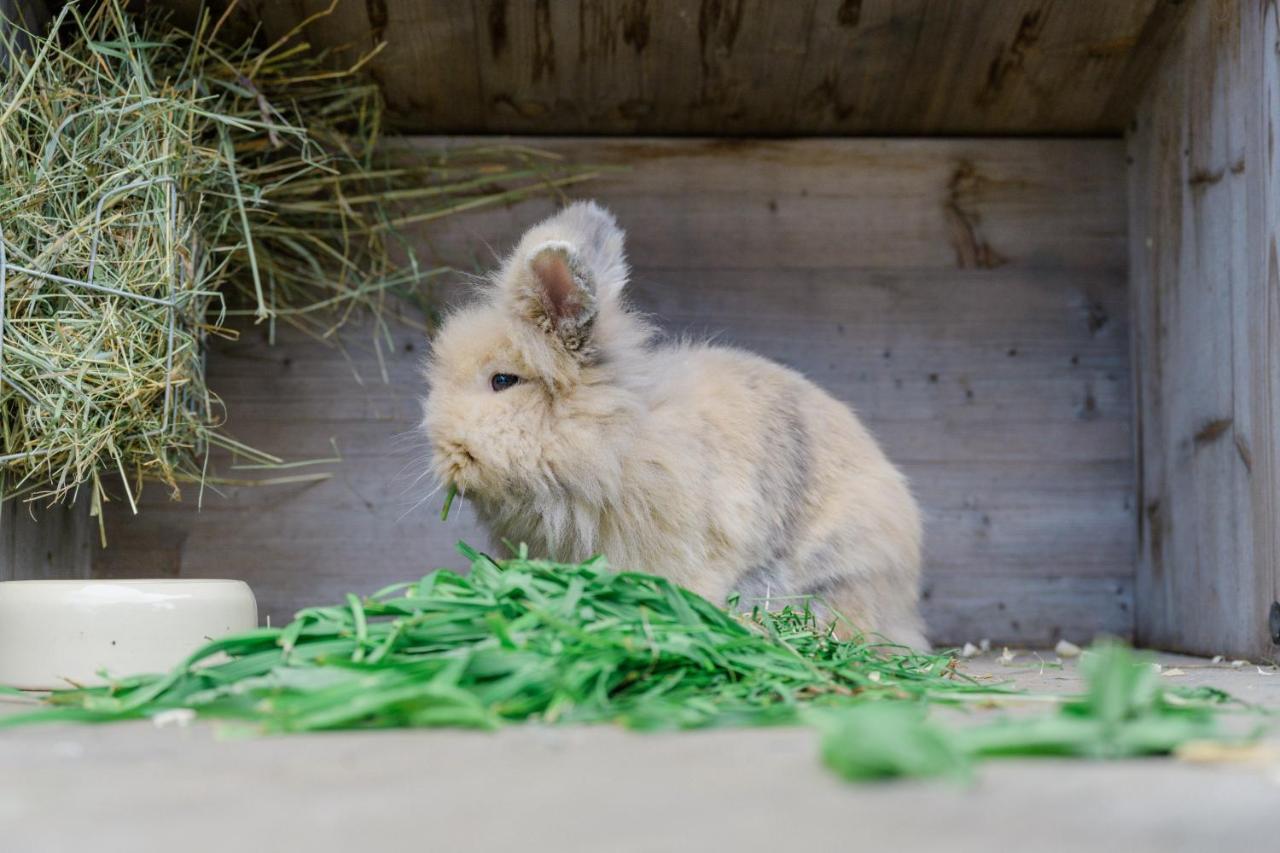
(45, 542)
(1204, 207)
(875, 204)
(1016, 66)
(742, 67)
(1033, 611)
(1002, 390)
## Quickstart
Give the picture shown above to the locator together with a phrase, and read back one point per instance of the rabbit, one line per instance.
(557, 413)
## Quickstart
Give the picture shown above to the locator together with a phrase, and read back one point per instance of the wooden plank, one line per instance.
(604, 66)
(1033, 612)
(848, 204)
(32, 15)
(1162, 29)
(427, 67)
(967, 67)
(1267, 502)
(1004, 391)
(1203, 228)
(440, 36)
(45, 542)
(744, 67)
(1014, 544)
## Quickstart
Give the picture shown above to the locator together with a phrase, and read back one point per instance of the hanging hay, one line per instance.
(149, 178)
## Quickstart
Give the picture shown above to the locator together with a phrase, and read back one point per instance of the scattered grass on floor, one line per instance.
(1125, 711)
(528, 640)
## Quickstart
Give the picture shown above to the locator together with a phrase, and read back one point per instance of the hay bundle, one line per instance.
(144, 173)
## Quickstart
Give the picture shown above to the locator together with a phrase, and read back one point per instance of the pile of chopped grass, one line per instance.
(153, 179)
(527, 640)
(524, 640)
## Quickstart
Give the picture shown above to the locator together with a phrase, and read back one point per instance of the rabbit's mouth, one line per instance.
(455, 461)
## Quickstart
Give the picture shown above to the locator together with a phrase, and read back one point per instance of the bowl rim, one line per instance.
(121, 582)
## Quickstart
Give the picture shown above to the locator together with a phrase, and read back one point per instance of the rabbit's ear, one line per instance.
(596, 234)
(557, 293)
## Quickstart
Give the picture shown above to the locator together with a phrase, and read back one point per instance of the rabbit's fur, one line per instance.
(708, 465)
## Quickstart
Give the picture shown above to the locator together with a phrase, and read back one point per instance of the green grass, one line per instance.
(448, 501)
(1124, 712)
(520, 640)
(525, 640)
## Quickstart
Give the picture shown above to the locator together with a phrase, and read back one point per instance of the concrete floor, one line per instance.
(145, 789)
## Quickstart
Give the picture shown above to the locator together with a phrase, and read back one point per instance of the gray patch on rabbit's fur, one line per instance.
(822, 592)
(756, 585)
(784, 478)
(824, 566)
(783, 488)
(824, 586)
(863, 600)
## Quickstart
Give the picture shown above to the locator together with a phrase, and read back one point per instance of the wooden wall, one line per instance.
(39, 542)
(1205, 196)
(967, 297)
(743, 67)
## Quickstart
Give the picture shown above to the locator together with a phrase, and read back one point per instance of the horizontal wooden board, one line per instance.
(1032, 612)
(1000, 538)
(809, 205)
(741, 67)
(1003, 391)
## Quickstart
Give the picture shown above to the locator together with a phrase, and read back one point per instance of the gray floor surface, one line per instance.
(144, 789)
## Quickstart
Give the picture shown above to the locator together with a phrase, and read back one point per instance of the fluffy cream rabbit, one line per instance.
(561, 420)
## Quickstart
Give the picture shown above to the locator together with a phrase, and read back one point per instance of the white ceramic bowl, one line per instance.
(54, 633)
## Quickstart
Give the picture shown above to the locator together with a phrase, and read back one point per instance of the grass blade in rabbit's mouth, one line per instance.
(448, 501)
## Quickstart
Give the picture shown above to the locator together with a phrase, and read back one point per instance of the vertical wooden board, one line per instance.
(1267, 445)
(1002, 389)
(1204, 478)
(1145, 159)
(1205, 350)
(1244, 232)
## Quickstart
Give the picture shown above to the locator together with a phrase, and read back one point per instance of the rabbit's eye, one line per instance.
(503, 381)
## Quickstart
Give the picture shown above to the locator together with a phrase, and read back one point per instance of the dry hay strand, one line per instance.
(151, 181)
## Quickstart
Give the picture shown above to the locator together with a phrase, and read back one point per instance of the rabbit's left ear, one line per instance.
(557, 293)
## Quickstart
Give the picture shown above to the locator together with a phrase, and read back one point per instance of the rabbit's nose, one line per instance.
(455, 453)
